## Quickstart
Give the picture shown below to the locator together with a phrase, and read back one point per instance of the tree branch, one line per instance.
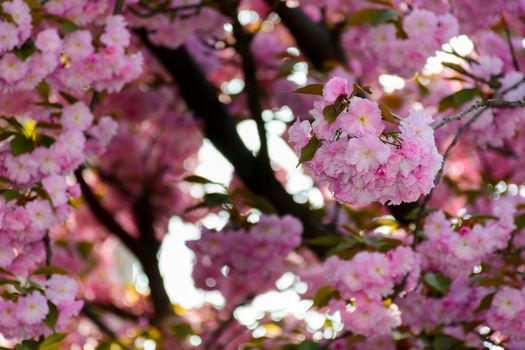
(249, 67)
(104, 216)
(318, 43)
(219, 127)
(511, 46)
(150, 246)
(93, 317)
(439, 174)
(496, 103)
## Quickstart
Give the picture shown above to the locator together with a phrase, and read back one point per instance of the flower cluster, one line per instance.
(455, 247)
(68, 56)
(244, 260)
(361, 161)
(421, 312)
(36, 313)
(507, 311)
(425, 33)
(36, 157)
(200, 22)
(365, 281)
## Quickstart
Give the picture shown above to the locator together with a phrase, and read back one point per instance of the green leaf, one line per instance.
(33, 4)
(444, 342)
(46, 140)
(68, 27)
(21, 144)
(52, 342)
(52, 316)
(358, 89)
(70, 99)
(49, 105)
(371, 16)
(308, 151)
(27, 345)
(46, 125)
(26, 50)
(84, 249)
(438, 282)
(325, 240)
(212, 200)
(312, 89)
(10, 195)
(257, 202)
(4, 281)
(198, 180)
(44, 89)
(304, 345)
(15, 124)
(458, 98)
(324, 294)
(50, 270)
(388, 116)
(382, 244)
(332, 111)
(485, 303)
(456, 67)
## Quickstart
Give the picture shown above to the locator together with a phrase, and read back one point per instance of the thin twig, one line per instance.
(91, 315)
(511, 46)
(495, 103)
(104, 216)
(119, 5)
(439, 174)
(208, 345)
(249, 66)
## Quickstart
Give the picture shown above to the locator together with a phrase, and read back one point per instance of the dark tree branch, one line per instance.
(145, 249)
(249, 67)
(219, 127)
(318, 43)
(104, 216)
(94, 317)
(109, 307)
(149, 249)
(508, 36)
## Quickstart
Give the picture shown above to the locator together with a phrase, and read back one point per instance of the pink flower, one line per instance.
(334, 88)
(417, 126)
(508, 302)
(48, 40)
(363, 117)
(7, 254)
(32, 309)
(116, 33)
(420, 24)
(8, 313)
(40, 214)
(437, 226)
(12, 68)
(488, 66)
(19, 11)
(8, 37)
(77, 45)
(76, 117)
(56, 187)
(22, 168)
(299, 134)
(61, 290)
(367, 153)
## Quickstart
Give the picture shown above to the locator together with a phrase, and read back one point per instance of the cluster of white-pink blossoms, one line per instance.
(244, 260)
(61, 52)
(37, 155)
(358, 157)
(364, 281)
